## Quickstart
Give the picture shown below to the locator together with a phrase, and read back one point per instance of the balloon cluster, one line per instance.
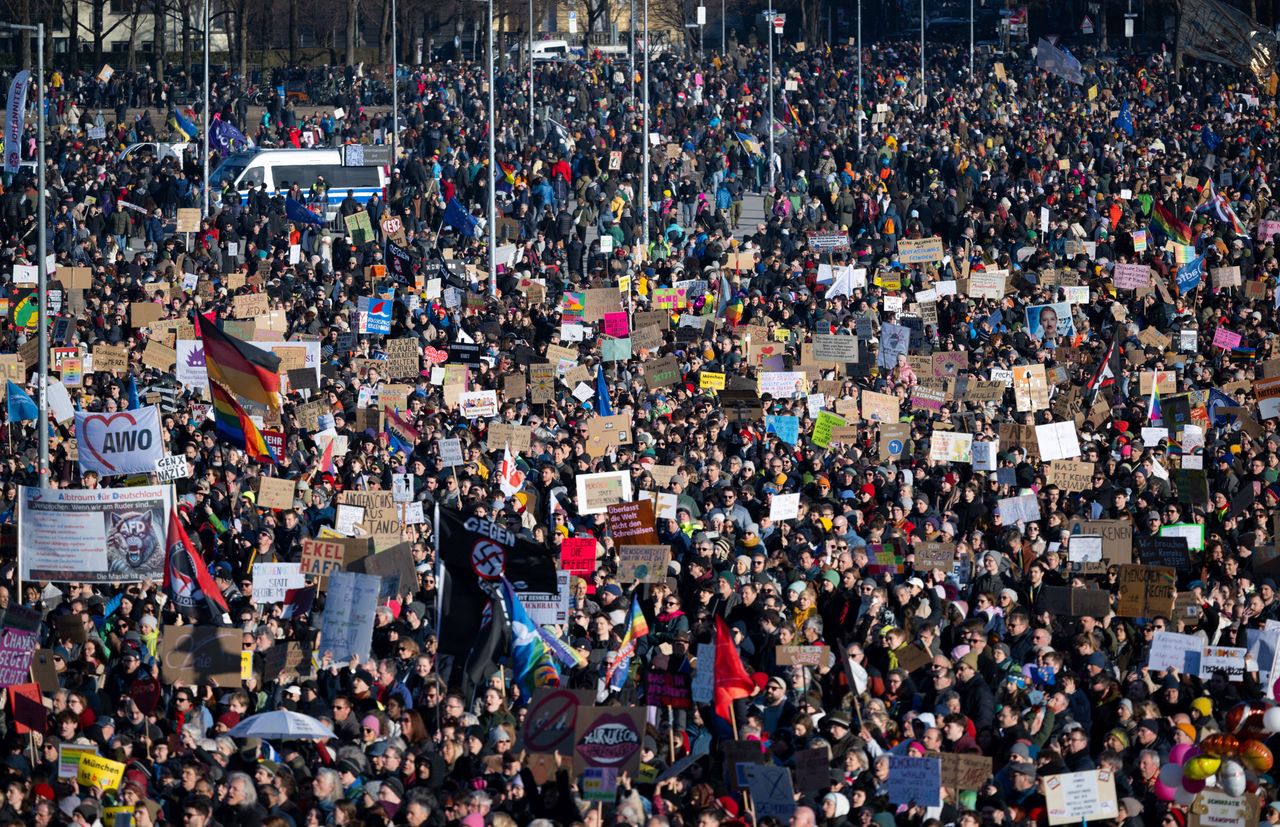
(1233, 758)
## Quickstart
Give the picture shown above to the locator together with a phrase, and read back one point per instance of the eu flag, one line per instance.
(457, 217)
(297, 212)
(1125, 119)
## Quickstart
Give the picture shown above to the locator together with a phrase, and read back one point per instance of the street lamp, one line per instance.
(644, 128)
(493, 212)
(772, 129)
(42, 269)
(205, 112)
(395, 85)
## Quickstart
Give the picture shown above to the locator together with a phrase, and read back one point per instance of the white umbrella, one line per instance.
(281, 725)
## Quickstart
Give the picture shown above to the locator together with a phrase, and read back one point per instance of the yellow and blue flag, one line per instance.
(183, 126)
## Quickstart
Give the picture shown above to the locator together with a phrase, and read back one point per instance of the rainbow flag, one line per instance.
(1153, 409)
(1170, 225)
(637, 627)
(508, 171)
(245, 370)
(531, 659)
(234, 425)
(564, 653)
(400, 432)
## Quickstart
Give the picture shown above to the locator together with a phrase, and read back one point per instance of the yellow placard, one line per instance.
(96, 771)
(246, 666)
(709, 380)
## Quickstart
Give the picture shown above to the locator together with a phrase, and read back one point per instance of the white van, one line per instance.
(544, 50)
(160, 150)
(280, 169)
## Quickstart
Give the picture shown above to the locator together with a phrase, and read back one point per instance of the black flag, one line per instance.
(474, 549)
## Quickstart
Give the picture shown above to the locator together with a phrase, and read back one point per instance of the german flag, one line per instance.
(246, 370)
(234, 425)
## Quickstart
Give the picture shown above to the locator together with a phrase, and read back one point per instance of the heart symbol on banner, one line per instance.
(106, 420)
(434, 356)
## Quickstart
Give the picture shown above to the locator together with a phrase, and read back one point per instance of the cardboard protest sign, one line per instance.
(1214, 808)
(604, 432)
(933, 556)
(192, 654)
(552, 719)
(608, 737)
(276, 493)
(961, 771)
(1146, 591)
(643, 563)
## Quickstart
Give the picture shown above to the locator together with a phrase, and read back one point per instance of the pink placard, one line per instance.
(616, 324)
(1225, 339)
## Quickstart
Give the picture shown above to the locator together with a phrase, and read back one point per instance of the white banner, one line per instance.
(103, 535)
(15, 121)
(124, 442)
(190, 368)
(272, 581)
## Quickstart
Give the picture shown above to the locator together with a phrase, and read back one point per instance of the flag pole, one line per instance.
(671, 732)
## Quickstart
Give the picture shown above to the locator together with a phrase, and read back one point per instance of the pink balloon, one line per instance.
(1191, 785)
(1180, 752)
(1164, 792)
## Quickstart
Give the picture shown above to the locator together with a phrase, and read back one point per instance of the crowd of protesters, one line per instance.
(1013, 169)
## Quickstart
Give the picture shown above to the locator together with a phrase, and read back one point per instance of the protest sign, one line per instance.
(1075, 797)
(1170, 650)
(192, 654)
(962, 771)
(1228, 660)
(632, 523)
(552, 718)
(920, 250)
(69, 757)
(916, 781)
(608, 737)
(643, 563)
(272, 581)
(124, 442)
(772, 793)
(669, 689)
(94, 536)
(96, 771)
(1146, 591)
(578, 556)
(596, 492)
(347, 627)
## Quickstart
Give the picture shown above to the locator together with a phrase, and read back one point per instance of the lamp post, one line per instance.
(493, 212)
(204, 155)
(644, 128)
(42, 245)
(395, 84)
(772, 130)
(860, 75)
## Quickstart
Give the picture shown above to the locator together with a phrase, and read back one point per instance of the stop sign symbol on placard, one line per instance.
(488, 559)
(551, 721)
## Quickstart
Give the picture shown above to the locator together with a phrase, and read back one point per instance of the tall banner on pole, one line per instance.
(15, 109)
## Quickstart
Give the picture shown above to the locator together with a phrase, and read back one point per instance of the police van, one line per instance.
(280, 169)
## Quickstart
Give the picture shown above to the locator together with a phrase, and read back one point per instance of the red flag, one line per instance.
(186, 578)
(732, 680)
